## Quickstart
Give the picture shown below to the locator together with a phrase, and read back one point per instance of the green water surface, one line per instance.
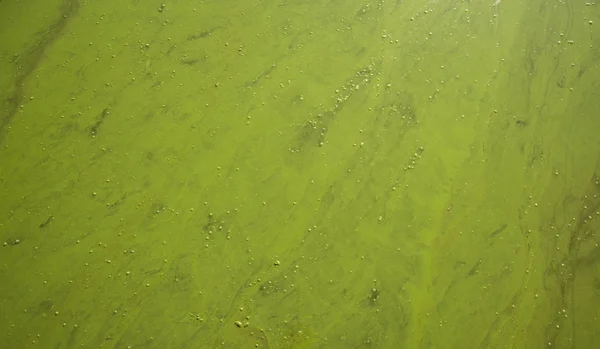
(299, 174)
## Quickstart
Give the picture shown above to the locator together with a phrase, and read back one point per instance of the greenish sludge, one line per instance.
(299, 174)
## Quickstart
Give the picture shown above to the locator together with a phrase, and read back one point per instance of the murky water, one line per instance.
(299, 174)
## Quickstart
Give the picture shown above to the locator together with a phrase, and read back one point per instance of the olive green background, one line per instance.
(299, 174)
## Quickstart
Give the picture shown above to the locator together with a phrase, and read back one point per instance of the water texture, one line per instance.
(299, 174)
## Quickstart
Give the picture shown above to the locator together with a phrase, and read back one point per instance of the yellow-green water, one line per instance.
(299, 174)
